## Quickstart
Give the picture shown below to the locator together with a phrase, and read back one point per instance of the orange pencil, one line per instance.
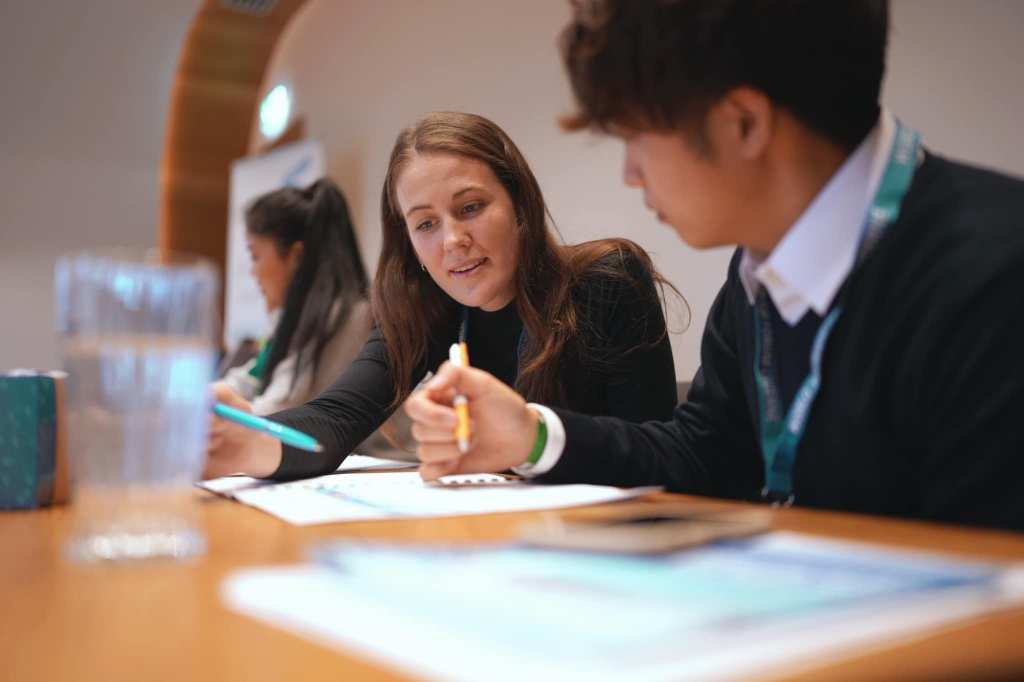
(458, 354)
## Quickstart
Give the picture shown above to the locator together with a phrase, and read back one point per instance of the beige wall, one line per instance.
(362, 69)
(85, 88)
(956, 73)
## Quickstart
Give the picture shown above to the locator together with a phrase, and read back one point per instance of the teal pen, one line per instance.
(288, 436)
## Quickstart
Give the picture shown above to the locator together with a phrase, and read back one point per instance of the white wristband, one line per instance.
(552, 449)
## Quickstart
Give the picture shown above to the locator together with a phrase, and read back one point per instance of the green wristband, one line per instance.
(540, 443)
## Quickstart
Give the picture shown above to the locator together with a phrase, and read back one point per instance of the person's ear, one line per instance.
(294, 256)
(741, 123)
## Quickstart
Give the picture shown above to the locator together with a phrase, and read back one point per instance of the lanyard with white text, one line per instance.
(780, 435)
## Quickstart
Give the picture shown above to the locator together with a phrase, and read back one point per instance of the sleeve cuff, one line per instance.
(552, 450)
(241, 382)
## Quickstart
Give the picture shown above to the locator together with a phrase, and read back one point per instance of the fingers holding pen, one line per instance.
(427, 433)
(424, 409)
(434, 470)
(433, 453)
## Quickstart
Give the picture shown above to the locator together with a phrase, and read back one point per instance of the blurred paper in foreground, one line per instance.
(725, 611)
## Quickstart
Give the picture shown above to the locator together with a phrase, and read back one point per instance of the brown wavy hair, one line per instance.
(409, 305)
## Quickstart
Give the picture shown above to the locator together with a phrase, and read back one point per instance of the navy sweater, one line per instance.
(921, 409)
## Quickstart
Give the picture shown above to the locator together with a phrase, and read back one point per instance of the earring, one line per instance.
(423, 267)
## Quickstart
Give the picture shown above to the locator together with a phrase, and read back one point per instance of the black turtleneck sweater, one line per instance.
(921, 407)
(620, 366)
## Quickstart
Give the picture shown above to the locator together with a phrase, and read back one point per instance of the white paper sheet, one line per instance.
(229, 485)
(731, 611)
(390, 495)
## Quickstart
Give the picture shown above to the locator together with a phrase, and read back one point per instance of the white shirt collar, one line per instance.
(806, 268)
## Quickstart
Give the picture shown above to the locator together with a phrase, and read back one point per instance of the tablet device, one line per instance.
(656, 530)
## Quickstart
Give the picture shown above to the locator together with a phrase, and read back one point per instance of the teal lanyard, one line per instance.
(781, 435)
(259, 368)
(464, 325)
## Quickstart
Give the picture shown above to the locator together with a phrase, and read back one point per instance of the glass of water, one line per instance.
(136, 334)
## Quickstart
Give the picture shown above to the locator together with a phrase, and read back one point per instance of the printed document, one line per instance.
(229, 485)
(735, 610)
(390, 495)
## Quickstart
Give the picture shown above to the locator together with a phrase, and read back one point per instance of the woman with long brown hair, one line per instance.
(467, 250)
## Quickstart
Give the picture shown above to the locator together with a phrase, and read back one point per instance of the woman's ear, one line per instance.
(294, 256)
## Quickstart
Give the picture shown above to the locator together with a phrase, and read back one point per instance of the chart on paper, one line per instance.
(733, 610)
(389, 495)
(230, 486)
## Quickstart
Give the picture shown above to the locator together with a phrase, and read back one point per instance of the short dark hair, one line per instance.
(661, 64)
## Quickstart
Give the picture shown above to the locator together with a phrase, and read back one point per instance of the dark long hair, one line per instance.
(407, 303)
(330, 274)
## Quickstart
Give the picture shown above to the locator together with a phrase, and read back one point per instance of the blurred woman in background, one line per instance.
(306, 262)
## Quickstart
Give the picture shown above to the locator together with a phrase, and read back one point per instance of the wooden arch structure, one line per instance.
(214, 99)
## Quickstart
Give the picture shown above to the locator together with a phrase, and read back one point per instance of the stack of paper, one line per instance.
(229, 485)
(735, 610)
(389, 495)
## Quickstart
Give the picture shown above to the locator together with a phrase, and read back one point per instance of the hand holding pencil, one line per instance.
(501, 435)
(233, 448)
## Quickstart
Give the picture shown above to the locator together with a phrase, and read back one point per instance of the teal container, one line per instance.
(32, 473)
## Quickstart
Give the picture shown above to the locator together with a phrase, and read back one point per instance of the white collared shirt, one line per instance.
(814, 258)
(807, 268)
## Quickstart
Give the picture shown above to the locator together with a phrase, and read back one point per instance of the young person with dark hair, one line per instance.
(865, 353)
(467, 250)
(306, 262)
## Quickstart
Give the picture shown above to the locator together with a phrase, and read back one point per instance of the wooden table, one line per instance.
(60, 621)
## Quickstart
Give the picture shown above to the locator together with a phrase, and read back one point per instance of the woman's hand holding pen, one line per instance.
(503, 427)
(236, 449)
